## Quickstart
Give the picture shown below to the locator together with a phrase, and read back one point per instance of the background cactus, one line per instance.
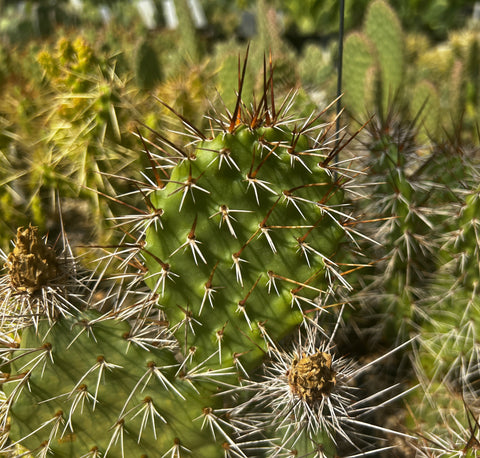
(448, 354)
(359, 73)
(375, 71)
(380, 50)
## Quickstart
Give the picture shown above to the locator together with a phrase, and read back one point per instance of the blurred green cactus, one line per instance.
(360, 73)
(375, 71)
(148, 70)
(374, 61)
(383, 29)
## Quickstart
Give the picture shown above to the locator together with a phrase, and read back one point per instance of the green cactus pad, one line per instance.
(249, 230)
(383, 28)
(359, 65)
(86, 376)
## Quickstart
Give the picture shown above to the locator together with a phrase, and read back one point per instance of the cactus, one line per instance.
(408, 193)
(383, 28)
(426, 102)
(425, 282)
(447, 359)
(86, 119)
(236, 228)
(374, 61)
(445, 76)
(359, 73)
(241, 248)
(147, 66)
(392, 162)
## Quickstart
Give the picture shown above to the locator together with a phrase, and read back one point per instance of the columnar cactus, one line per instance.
(447, 360)
(241, 246)
(403, 219)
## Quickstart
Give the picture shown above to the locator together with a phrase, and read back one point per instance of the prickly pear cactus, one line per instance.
(240, 249)
(374, 61)
(360, 72)
(78, 382)
(246, 234)
(383, 28)
(243, 230)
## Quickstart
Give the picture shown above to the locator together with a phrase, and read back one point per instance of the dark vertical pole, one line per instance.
(340, 66)
(340, 53)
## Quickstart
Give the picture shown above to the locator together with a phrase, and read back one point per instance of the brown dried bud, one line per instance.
(32, 264)
(312, 377)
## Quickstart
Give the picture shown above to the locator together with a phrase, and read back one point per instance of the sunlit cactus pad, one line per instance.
(248, 230)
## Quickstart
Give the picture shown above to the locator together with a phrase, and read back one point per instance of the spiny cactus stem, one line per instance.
(55, 423)
(226, 154)
(214, 423)
(263, 184)
(219, 337)
(209, 289)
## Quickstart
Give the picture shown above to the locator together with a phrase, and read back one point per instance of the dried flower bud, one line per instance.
(32, 264)
(312, 377)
